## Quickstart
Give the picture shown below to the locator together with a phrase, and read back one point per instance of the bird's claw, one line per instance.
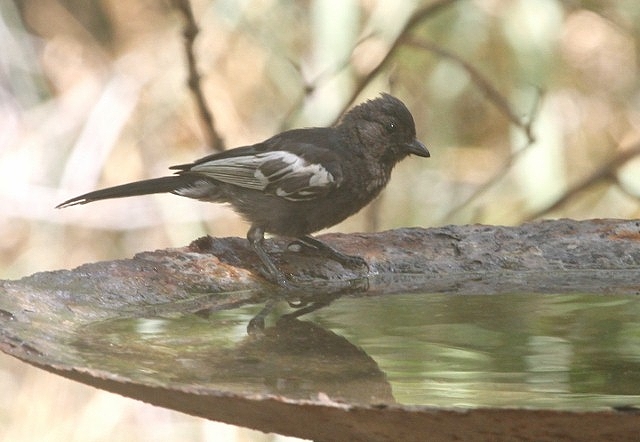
(350, 261)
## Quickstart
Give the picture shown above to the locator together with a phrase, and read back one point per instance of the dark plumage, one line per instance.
(299, 181)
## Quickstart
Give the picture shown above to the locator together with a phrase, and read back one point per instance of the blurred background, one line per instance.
(531, 110)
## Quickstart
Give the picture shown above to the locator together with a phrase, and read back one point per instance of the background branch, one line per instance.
(482, 83)
(189, 33)
(501, 103)
(607, 172)
(416, 19)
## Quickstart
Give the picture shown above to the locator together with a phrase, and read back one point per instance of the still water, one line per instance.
(574, 352)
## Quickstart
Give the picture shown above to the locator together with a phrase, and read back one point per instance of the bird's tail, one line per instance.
(145, 187)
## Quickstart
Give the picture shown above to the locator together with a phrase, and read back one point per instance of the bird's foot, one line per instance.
(350, 261)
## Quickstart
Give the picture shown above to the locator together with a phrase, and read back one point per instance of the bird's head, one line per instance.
(386, 128)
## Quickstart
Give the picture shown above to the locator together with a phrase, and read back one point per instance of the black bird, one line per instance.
(299, 181)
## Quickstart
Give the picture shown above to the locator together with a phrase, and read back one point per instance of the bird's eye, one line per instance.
(391, 126)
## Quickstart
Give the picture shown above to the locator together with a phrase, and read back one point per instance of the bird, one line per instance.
(297, 182)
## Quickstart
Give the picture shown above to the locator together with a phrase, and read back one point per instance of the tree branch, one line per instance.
(481, 83)
(417, 18)
(190, 32)
(606, 172)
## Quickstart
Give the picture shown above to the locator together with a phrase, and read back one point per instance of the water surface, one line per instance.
(573, 352)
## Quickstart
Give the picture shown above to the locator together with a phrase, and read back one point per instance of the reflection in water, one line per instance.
(292, 358)
(541, 351)
(300, 359)
(302, 304)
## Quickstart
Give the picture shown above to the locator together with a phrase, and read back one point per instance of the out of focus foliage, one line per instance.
(523, 104)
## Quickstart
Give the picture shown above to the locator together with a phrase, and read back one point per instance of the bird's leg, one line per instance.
(256, 324)
(304, 308)
(331, 253)
(273, 273)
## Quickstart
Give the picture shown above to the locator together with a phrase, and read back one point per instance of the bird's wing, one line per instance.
(297, 174)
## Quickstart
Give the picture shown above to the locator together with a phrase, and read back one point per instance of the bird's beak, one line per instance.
(417, 148)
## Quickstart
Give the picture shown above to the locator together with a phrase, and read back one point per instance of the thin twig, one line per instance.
(501, 103)
(362, 81)
(481, 83)
(190, 32)
(484, 187)
(417, 18)
(504, 169)
(604, 173)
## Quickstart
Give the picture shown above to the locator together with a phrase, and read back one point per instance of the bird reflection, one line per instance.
(288, 357)
(302, 360)
(303, 305)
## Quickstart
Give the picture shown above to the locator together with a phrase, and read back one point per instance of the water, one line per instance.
(575, 352)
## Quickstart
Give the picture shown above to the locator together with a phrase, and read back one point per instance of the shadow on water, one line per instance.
(541, 351)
